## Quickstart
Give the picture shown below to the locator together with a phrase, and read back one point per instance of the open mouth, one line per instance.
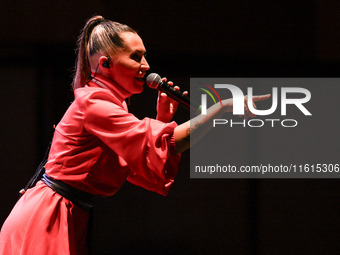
(140, 79)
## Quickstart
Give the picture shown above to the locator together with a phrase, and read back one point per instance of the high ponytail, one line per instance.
(98, 36)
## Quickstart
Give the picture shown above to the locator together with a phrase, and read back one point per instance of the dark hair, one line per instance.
(98, 36)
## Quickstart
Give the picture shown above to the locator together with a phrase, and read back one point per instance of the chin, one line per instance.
(139, 90)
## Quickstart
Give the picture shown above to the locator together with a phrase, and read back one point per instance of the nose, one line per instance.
(144, 65)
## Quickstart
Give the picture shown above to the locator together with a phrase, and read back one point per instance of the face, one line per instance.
(129, 65)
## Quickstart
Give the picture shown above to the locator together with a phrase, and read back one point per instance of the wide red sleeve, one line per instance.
(147, 146)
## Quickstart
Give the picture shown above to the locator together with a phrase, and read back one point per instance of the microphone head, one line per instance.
(153, 80)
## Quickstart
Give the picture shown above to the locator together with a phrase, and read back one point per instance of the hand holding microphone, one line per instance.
(166, 106)
(154, 81)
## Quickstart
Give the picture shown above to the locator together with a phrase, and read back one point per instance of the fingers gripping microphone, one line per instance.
(154, 81)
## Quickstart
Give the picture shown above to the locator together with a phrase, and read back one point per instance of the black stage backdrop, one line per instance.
(184, 39)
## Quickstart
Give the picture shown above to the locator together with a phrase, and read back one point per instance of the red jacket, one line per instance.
(96, 147)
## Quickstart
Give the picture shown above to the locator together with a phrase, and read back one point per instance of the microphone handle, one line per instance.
(176, 95)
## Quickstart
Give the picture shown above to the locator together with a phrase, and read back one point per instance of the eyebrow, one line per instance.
(139, 51)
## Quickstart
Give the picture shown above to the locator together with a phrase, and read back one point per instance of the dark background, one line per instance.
(184, 39)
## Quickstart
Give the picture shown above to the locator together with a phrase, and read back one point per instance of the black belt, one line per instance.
(78, 197)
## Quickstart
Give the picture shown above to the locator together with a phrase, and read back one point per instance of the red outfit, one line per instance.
(96, 147)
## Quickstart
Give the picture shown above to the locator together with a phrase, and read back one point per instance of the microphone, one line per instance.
(154, 81)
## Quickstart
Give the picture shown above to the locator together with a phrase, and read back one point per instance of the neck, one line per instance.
(104, 82)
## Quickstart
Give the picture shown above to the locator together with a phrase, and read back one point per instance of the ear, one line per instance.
(105, 62)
